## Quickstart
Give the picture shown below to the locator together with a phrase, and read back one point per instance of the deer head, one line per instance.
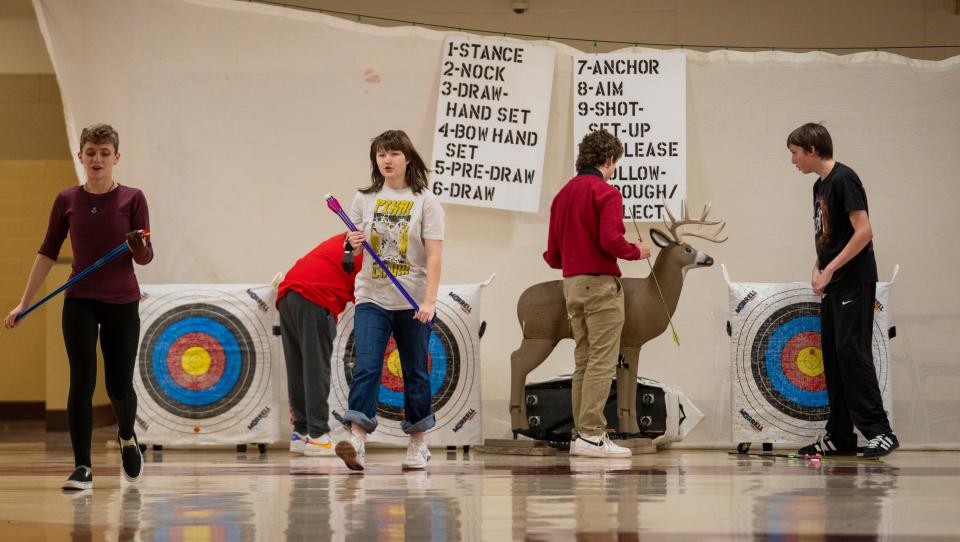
(675, 250)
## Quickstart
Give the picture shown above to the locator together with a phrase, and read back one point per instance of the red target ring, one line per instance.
(197, 376)
(392, 375)
(802, 361)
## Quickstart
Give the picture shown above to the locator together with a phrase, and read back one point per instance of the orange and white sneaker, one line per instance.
(319, 446)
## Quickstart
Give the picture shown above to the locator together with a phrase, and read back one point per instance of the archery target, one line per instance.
(780, 392)
(453, 354)
(204, 365)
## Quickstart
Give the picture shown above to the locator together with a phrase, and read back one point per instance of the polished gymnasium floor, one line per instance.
(671, 495)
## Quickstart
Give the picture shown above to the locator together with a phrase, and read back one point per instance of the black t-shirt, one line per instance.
(833, 200)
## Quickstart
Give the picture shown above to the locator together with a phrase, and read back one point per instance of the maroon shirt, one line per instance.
(586, 228)
(97, 223)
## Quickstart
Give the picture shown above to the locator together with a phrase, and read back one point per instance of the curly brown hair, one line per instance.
(396, 140)
(596, 148)
(98, 134)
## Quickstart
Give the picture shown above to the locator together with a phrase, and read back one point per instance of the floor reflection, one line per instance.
(593, 498)
(842, 498)
(675, 494)
(402, 507)
(212, 516)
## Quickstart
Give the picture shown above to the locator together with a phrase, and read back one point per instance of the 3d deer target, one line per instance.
(648, 306)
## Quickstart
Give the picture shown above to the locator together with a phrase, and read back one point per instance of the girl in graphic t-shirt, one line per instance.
(98, 215)
(403, 221)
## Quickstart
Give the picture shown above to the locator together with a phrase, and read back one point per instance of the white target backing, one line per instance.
(453, 362)
(779, 390)
(205, 364)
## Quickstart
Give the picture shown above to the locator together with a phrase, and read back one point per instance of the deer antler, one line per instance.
(674, 225)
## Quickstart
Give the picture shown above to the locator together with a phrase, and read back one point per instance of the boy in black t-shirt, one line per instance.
(845, 274)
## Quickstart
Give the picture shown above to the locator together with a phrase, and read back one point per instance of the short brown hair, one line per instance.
(98, 134)
(596, 148)
(396, 140)
(812, 136)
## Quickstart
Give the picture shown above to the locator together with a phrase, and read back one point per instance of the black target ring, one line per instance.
(775, 389)
(241, 359)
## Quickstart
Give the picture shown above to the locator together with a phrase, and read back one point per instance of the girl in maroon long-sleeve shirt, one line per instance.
(97, 215)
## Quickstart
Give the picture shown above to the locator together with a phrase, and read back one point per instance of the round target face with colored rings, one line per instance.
(449, 363)
(780, 362)
(203, 361)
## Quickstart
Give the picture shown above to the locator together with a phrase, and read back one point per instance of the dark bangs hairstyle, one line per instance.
(396, 140)
(596, 147)
(812, 136)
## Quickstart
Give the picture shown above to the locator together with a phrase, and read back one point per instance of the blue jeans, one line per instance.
(372, 328)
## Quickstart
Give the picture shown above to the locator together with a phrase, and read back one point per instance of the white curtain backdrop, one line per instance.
(236, 118)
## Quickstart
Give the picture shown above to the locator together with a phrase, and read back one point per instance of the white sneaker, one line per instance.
(319, 446)
(297, 442)
(598, 447)
(417, 455)
(351, 451)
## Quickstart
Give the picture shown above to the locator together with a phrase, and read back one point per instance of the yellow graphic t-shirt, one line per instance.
(396, 222)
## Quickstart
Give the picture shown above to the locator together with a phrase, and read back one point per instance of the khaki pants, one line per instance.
(595, 308)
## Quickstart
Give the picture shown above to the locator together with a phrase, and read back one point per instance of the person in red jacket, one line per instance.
(311, 296)
(586, 238)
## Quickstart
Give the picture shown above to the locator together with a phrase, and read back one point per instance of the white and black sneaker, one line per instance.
(825, 446)
(82, 478)
(880, 446)
(600, 446)
(131, 458)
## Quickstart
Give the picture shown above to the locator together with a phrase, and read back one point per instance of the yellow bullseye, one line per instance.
(393, 364)
(195, 361)
(810, 361)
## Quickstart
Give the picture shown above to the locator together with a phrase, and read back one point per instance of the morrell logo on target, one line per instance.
(142, 423)
(744, 301)
(260, 303)
(753, 423)
(263, 414)
(466, 417)
(464, 306)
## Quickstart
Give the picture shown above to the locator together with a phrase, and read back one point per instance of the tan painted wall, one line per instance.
(27, 189)
(758, 23)
(35, 162)
(786, 24)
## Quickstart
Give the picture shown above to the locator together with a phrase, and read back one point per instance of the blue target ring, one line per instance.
(222, 386)
(220, 330)
(774, 351)
(438, 372)
(785, 326)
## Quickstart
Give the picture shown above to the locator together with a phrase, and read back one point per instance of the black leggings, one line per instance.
(119, 330)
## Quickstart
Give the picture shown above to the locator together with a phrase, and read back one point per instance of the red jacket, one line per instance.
(586, 228)
(319, 276)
